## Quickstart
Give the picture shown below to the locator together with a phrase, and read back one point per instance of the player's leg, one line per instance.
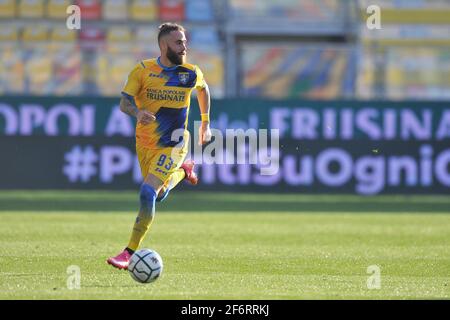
(161, 172)
(178, 169)
(147, 196)
(163, 169)
(146, 211)
(175, 177)
(186, 171)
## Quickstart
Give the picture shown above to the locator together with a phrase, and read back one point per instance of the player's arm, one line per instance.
(128, 106)
(131, 89)
(204, 103)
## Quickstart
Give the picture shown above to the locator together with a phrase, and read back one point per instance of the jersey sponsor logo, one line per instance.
(167, 95)
(183, 77)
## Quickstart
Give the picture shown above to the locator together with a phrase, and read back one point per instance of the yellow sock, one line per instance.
(144, 218)
(140, 229)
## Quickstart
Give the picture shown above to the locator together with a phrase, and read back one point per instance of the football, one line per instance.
(145, 266)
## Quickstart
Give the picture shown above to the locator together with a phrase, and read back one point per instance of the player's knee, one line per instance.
(147, 197)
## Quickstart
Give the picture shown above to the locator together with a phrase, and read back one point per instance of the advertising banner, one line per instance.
(361, 147)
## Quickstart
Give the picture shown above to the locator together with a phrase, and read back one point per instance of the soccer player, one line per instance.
(157, 94)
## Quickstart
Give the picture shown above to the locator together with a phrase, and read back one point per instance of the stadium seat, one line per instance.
(65, 35)
(112, 69)
(171, 10)
(7, 8)
(8, 33)
(119, 39)
(147, 35)
(91, 9)
(199, 10)
(144, 10)
(31, 9)
(211, 64)
(39, 72)
(56, 9)
(34, 33)
(12, 73)
(91, 37)
(115, 10)
(67, 71)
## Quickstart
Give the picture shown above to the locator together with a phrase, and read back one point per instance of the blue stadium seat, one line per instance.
(199, 10)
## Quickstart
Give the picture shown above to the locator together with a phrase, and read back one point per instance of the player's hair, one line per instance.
(167, 28)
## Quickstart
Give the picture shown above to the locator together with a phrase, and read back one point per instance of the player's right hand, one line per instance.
(145, 117)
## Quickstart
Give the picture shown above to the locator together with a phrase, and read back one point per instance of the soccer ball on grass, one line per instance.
(145, 266)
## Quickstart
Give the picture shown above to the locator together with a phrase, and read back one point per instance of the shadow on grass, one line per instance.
(214, 201)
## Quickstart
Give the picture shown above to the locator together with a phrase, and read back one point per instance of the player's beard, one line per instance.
(174, 57)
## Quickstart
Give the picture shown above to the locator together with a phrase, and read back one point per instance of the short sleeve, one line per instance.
(200, 83)
(133, 84)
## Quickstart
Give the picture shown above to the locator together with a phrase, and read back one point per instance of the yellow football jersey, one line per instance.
(166, 92)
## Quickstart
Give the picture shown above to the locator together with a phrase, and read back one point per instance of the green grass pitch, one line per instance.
(226, 246)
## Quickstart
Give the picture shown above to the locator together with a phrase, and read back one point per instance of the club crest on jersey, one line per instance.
(183, 77)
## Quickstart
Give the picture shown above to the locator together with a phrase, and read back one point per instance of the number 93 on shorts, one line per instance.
(160, 162)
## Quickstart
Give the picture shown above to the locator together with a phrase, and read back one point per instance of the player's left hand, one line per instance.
(204, 133)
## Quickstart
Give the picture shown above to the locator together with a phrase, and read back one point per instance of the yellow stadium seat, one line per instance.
(12, 70)
(56, 9)
(118, 39)
(58, 34)
(31, 8)
(144, 10)
(7, 8)
(34, 33)
(115, 10)
(111, 72)
(119, 34)
(8, 32)
(211, 64)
